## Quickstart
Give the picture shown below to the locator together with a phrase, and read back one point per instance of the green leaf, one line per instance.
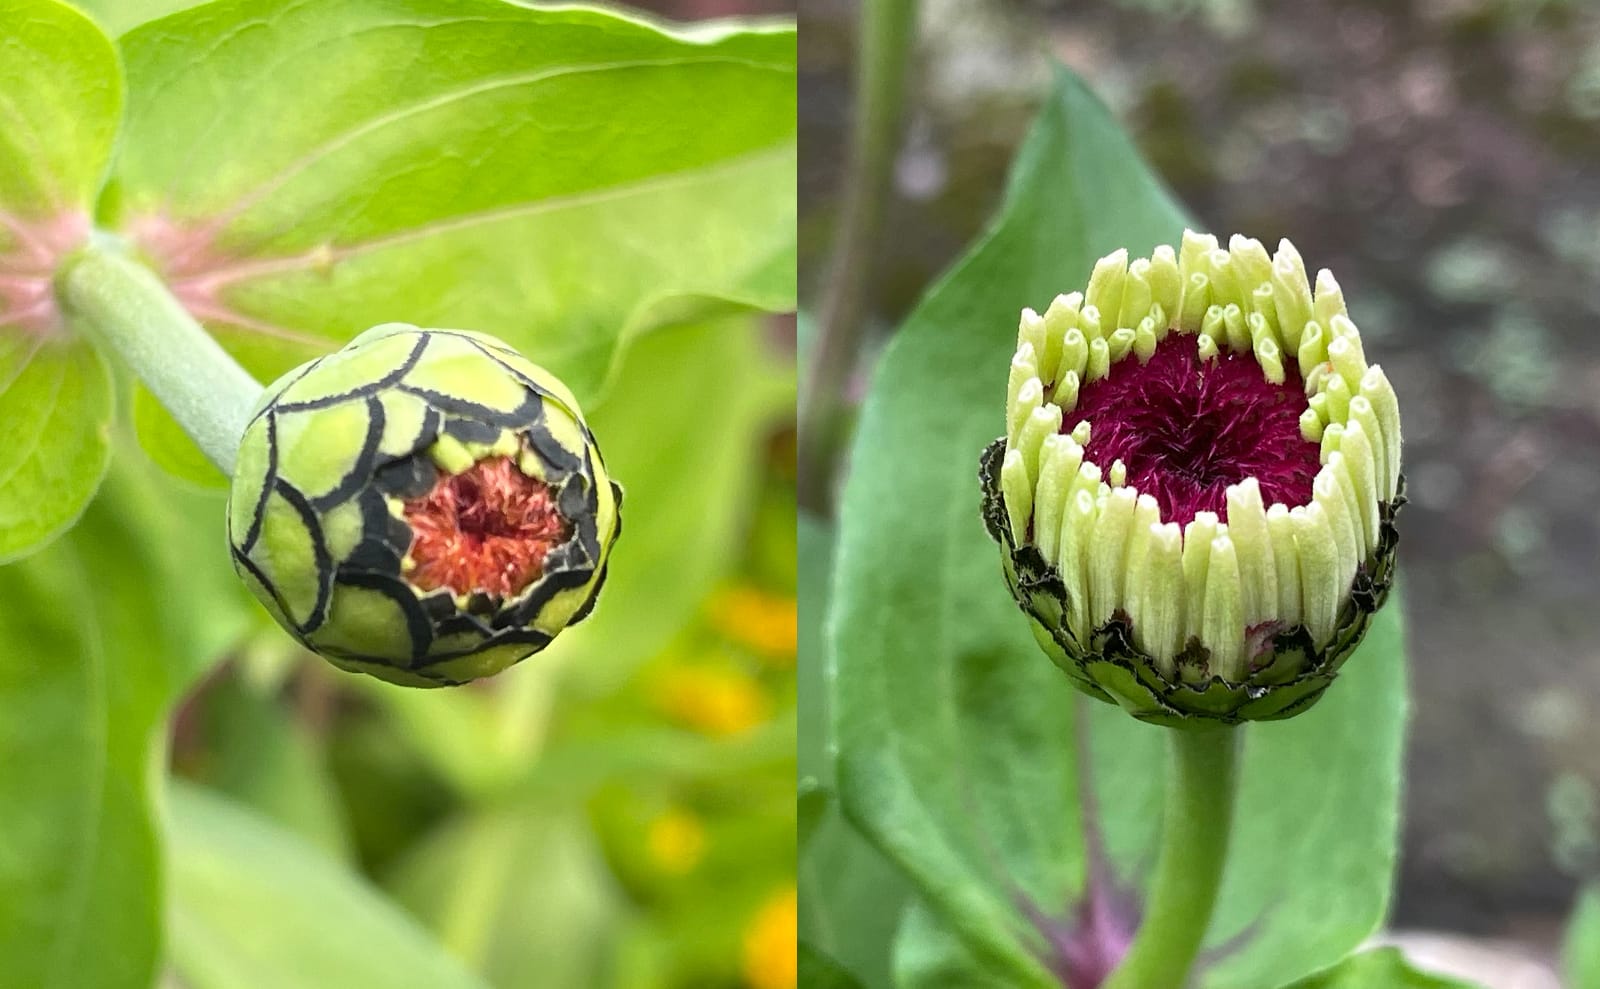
(62, 98)
(959, 742)
(850, 897)
(1581, 952)
(520, 893)
(253, 906)
(118, 16)
(97, 634)
(563, 178)
(1382, 967)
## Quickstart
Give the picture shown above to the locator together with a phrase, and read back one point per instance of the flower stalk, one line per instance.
(125, 307)
(1194, 843)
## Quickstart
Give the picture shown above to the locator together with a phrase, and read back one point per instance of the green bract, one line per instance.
(1246, 615)
(342, 453)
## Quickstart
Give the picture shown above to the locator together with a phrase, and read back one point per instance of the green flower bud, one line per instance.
(426, 506)
(1196, 493)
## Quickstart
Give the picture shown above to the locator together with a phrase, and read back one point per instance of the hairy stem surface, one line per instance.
(1194, 845)
(126, 308)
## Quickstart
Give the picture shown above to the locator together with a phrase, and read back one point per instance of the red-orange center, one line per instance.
(486, 529)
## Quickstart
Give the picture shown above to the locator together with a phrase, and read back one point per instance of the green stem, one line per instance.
(888, 28)
(1194, 845)
(126, 308)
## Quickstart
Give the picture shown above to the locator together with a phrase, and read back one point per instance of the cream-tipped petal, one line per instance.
(1029, 398)
(1262, 308)
(1222, 622)
(1291, 293)
(1137, 295)
(1074, 354)
(1235, 328)
(1197, 536)
(1329, 300)
(1247, 525)
(1332, 436)
(1286, 564)
(1361, 412)
(1043, 422)
(1108, 552)
(1050, 495)
(1338, 399)
(1193, 251)
(1344, 353)
(1146, 516)
(1330, 492)
(1266, 350)
(1196, 300)
(1099, 359)
(1090, 322)
(1017, 489)
(1031, 332)
(1361, 459)
(1319, 569)
(1376, 389)
(1023, 366)
(1250, 259)
(1311, 426)
(1207, 345)
(1106, 285)
(1166, 283)
(1211, 324)
(1158, 623)
(1077, 527)
(1144, 340)
(1313, 349)
(1120, 344)
(1065, 394)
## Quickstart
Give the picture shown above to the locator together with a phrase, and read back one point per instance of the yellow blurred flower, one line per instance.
(710, 700)
(771, 941)
(677, 841)
(763, 622)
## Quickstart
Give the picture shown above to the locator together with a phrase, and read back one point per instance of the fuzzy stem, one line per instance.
(1194, 845)
(126, 308)
(888, 28)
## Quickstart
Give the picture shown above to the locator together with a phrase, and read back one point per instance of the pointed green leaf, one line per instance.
(60, 99)
(563, 178)
(960, 743)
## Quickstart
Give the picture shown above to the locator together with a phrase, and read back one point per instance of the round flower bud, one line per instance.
(1196, 493)
(426, 506)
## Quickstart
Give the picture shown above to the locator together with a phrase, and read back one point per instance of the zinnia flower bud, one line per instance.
(426, 506)
(1196, 492)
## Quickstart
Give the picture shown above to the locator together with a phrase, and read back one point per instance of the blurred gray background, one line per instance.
(1443, 158)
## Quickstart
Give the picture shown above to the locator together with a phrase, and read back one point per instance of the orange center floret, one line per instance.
(487, 529)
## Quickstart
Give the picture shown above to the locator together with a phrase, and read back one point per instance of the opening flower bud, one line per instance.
(426, 506)
(1196, 492)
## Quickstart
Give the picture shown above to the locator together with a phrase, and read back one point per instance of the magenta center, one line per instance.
(1186, 429)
